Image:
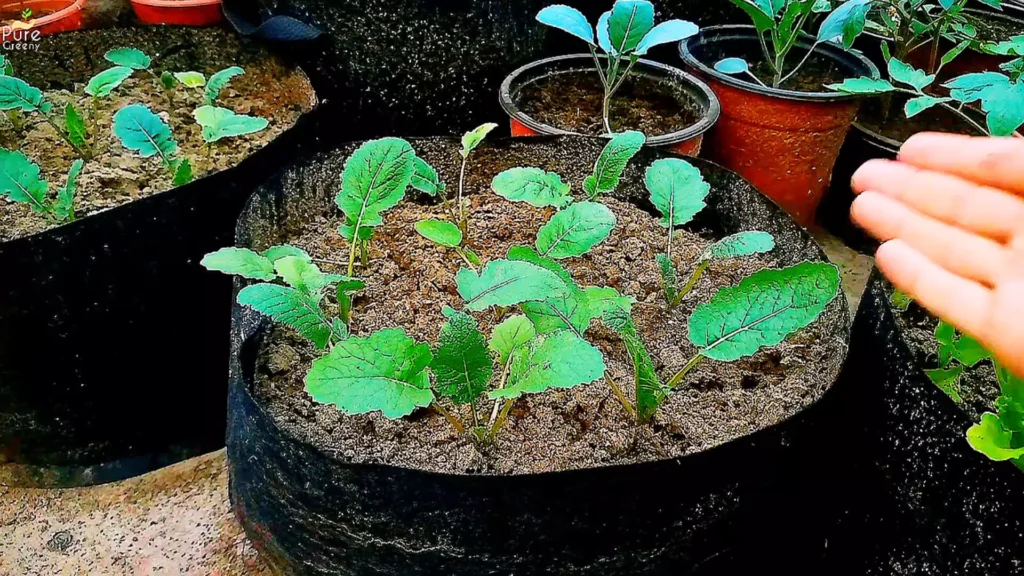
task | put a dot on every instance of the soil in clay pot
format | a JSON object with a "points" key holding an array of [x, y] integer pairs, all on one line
{"points": [[115, 175], [896, 126], [410, 280]]}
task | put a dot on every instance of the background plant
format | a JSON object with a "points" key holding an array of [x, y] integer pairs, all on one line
{"points": [[17, 96]]}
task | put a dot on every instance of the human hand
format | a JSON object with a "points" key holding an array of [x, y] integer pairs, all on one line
{"points": [[950, 212]]}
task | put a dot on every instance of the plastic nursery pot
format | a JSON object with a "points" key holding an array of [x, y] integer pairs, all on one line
{"points": [[178, 12], [312, 510], [49, 17], [783, 141], [113, 341], [683, 91], [922, 501]]}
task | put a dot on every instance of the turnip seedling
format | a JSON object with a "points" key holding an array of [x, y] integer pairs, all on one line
{"points": [[613, 160], [16, 95], [623, 34], [470, 141], [448, 235], [1000, 435], [20, 182], [217, 83], [735, 246], [219, 123], [677, 190], [142, 131], [127, 61]]}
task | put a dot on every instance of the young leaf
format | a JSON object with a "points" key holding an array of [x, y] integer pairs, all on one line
{"points": [[669, 279], [962, 348], [348, 231], [461, 364], [991, 439], [275, 253], [182, 172], [374, 179], [385, 371], [473, 138], [742, 244], [762, 310], [677, 190], [533, 186], [218, 81], [74, 124], [650, 394], [443, 233], [191, 79], [303, 275], [762, 15], [863, 85], [907, 74], [568, 20], [559, 360], [603, 40], [575, 230], [425, 178], [732, 66], [102, 84], [845, 23], [514, 332], [16, 94], [917, 105], [948, 380], [900, 300], [666, 33], [240, 262], [614, 158], [168, 81], [507, 283], [1011, 385], [129, 57], [142, 131], [64, 205], [630, 21], [575, 309], [221, 123], [292, 308], [527, 254], [20, 181]]}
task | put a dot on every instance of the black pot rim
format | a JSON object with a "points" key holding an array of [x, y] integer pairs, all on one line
{"points": [[712, 109], [744, 32]]}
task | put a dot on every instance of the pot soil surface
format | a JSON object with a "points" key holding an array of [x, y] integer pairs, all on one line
{"points": [[896, 126], [574, 102], [115, 176], [410, 280]]}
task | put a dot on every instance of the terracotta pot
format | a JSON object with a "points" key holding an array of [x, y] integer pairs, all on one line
{"points": [[783, 141], [60, 16], [685, 87], [178, 12]]}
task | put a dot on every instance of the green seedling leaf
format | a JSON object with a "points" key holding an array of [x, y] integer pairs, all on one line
{"points": [[221, 123], [129, 57], [240, 262], [614, 158], [760, 12], [461, 364], [845, 23], [528, 254], [650, 393], [955, 51], [1011, 385], [962, 348], [305, 276], [275, 253], [677, 190], [533, 186], [732, 66], [559, 360], [218, 81], [1012, 47], [948, 380], [375, 179], [190, 79], [917, 105], [439, 232], [738, 245], [907, 74], [629, 23], [5, 66], [16, 94], [668, 32], [473, 138], [568, 20], [384, 372], [900, 300], [182, 172], [514, 332], [425, 178], [603, 41], [74, 124], [292, 308], [669, 278], [64, 205], [142, 131], [977, 86], [348, 229], [507, 283], [863, 86], [575, 309], [991, 439], [1005, 114], [102, 84], [20, 180], [762, 310], [575, 230], [168, 81]]}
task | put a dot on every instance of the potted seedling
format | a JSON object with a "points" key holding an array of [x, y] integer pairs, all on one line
{"points": [[517, 348], [612, 89], [780, 127], [23, 19]]}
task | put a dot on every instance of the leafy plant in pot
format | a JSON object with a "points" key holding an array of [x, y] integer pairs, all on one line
{"points": [[780, 128], [599, 94]]}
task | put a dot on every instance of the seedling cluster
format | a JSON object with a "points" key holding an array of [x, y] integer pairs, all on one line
{"points": [[541, 342]]}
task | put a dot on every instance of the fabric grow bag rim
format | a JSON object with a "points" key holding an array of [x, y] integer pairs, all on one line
{"points": [[737, 445], [712, 108], [713, 34]]}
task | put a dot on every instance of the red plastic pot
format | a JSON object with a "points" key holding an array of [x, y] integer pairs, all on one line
{"points": [[59, 16], [783, 141], [685, 142], [178, 12]]}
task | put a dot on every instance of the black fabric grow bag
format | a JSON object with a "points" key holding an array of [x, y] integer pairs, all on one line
{"points": [[113, 340], [918, 499], [742, 505]]}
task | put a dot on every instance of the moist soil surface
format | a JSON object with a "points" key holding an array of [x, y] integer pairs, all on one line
{"points": [[812, 76], [896, 126], [114, 175], [411, 280], [574, 102]]}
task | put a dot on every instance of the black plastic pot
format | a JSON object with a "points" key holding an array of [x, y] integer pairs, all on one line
{"points": [[918, 499], [741, 505], [113, 340], [685, 89]]}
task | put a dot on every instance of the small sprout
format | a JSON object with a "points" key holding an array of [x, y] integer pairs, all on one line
{"points": [[190, 79], [217, 83], [900, 300], [735, 66], [64, 204], [182, 169], [241, 262], [168, 81], [142, 131], [470, 141], [735, 246], [507, 283], [102, 84], [678, 191], [650, 393], [75, 125], [425, 178], [574, 231], [20, 182], [533, 186], [448, 235], [16, 96], [613, 160], [129, 57], [219, 123]]}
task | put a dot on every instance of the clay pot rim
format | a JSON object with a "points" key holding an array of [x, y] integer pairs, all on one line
{"points": [[176, 3], [701, 92], [713, 34], [66, 12]]}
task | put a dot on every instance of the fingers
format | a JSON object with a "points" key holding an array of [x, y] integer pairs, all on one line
{"points": [[995, 162], [959, 252], [980, 209]]}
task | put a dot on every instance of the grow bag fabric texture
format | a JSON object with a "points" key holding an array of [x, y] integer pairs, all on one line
{"points": [[919, 500], [113, 339], [741, 505]]}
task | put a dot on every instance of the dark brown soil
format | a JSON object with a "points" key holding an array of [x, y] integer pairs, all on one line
{"points": [[898, 127], [813, 76], [574, 102], [410, 280], [116, 176]]}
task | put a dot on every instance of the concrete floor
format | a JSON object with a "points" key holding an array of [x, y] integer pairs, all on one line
{"points": [[176, 521]]}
